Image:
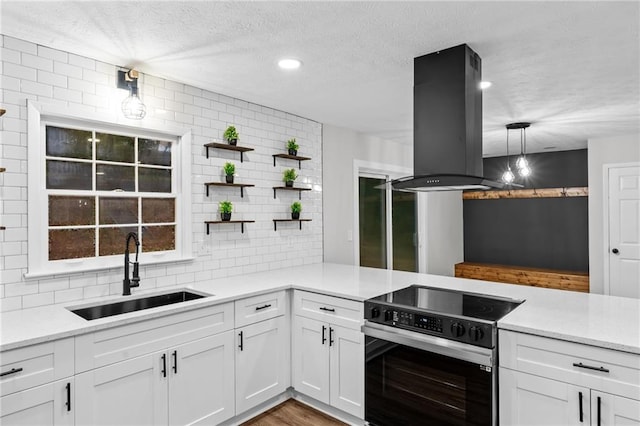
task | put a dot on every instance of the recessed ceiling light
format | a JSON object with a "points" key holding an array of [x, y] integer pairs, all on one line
{"points": [[485, 84], [289, 64]]}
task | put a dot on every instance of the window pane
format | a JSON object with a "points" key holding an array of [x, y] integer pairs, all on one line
{"points": [[68, 175], [154, 180], [118, 210], [154, 152], [68, 142], [65, 211], [373, 224], [158, 238], [113, 178], [158, 210], [403, 224], [71, 243], [112, 240], [115, 148]]}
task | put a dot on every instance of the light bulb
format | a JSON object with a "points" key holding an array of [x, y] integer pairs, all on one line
{"points": [[525, 171], [522, 162], [508, 176], [132, 106]]}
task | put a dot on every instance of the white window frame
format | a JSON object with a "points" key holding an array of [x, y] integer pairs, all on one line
{"points": [[40, 115]]}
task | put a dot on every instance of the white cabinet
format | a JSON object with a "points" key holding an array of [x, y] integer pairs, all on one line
{"points": [[49, 404], [177, 369], [551, 382], [328, 351], [262, 349], [36, 386]]}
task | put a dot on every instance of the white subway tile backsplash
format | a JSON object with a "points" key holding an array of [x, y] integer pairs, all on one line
{"points": [[84, 85]]}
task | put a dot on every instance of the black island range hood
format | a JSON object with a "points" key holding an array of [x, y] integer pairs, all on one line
{"points": [[447, 123]]}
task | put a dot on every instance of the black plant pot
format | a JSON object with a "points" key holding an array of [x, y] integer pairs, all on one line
{"points": [[295, 215], [225, 216], [293, 152], [229, 178], [233, 141], [288, 183]]}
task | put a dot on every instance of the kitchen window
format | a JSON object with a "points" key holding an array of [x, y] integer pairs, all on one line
{"points": [[97, 182]]}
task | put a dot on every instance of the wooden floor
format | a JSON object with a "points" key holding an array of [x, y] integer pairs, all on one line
{"points": [[293, 413]]}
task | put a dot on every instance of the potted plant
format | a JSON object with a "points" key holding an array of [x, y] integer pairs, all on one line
{"points": [[289, 176], [296, 208], [229, 170], [292, 146], [231, 135], [226, 207]]}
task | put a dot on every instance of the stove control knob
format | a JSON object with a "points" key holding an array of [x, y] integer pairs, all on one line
{"points": [[457, 329], [388, 315], [476, 333], [375, 312]]}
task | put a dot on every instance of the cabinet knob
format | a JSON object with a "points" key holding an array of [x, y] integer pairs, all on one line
{"points": [[615, 251]]}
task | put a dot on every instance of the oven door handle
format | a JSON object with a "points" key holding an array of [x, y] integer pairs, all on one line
{"points": [[450, 348]]}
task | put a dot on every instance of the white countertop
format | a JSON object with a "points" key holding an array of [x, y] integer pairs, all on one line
{"points": [[605, 321]]}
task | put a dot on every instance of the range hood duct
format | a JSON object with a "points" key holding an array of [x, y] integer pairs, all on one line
{"points": [[447, 123]]}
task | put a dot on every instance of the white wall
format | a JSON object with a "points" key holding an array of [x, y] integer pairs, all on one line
{"points": [[440, 227], [612, 150], [68, 81]]}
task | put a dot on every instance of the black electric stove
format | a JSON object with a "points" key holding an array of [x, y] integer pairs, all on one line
{"points": [[454, 315]]}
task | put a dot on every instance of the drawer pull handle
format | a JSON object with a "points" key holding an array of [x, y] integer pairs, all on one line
{"points": [[12, 371], [327, 309], [68, 403], [590, 367], [259, 308]]}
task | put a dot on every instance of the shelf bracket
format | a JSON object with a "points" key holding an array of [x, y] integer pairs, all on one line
{"points": [[207, 229], [207, 188], [242, 227], [207, 148]]}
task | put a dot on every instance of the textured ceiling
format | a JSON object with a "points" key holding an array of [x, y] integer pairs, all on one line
{"points": [[571, 68]]}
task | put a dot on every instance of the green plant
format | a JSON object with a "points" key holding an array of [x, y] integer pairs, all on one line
{"points": [[230, 133], [289, 175], [229, 169], [296, 207], [225, 206], [291, 144]]}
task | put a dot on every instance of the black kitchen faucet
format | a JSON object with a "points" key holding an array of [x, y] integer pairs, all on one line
{"points": [[135, 280]]}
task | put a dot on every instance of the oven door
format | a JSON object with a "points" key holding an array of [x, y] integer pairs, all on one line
{"points": [[417, 379]]}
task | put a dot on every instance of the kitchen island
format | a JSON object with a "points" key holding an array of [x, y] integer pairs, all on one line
{"points": [[90, 354]]}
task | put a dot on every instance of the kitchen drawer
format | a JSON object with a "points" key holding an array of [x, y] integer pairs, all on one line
{"points": [[570, 362], [35, 365], [262, 307], [344, 312], [117, 344]]}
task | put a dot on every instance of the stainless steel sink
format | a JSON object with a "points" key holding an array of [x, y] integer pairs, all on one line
{"points": [[132, 305]]}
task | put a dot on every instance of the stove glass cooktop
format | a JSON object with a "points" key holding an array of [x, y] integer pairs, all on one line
{"points": [[450, 302]]}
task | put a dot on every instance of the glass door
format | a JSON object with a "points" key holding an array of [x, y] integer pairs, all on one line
{"points": [[387, 226]]}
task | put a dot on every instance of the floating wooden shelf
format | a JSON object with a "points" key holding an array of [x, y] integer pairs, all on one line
{"points": [[2, 170], [290, 157], [236, 185], [2, 228], [2, 111], [290, 188], [227, 147], [535, 277], [275, 222], [241, 222], [582, 191]]}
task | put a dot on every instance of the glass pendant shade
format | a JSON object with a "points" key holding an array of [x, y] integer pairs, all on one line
{"points": [[522, 162], [132, 106], [525, 171], [508, 176]]}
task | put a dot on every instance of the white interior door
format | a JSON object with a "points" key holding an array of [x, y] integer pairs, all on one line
{"points": [[624, 232]]}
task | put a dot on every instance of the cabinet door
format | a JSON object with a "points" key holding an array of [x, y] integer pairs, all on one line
{"points": [[201, 384], [613, 410], [263, 362], [347, 369], [50, 404], [531, 400], [311, 358], [132, 392]]}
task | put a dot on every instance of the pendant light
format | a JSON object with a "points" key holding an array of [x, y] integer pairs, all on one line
{"points": [[522, 164], [508, 176]]}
